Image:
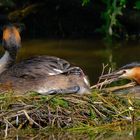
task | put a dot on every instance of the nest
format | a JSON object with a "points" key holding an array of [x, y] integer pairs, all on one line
{"points": [[65, 111]]}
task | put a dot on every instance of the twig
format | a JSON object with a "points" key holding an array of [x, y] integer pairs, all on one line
{"points": [[22, 124], [111, 89], [106, 82], [99, 84], [6, 129], [30, 119], [15, 110], [98, 112], [103, 70], [7, 125]]}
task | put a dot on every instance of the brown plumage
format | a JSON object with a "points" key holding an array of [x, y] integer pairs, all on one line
{"points": [[42, 74]]}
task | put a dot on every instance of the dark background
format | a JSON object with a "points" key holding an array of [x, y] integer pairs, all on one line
{"points": [[66, 19]]}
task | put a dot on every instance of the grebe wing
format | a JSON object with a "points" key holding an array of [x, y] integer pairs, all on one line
{"points": [[40, 66]]}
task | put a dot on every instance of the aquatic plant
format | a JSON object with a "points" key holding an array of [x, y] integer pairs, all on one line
{"points": [[113, 9]]}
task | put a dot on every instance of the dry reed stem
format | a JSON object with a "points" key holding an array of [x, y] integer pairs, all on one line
{"points": [[112, 89], [30, 119], [100, 84]]}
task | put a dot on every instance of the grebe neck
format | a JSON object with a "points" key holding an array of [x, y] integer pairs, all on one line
{"points": [[6, 61]]}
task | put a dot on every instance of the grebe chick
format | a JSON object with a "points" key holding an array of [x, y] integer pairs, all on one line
{"points": [[45, 75], [11, 42]]}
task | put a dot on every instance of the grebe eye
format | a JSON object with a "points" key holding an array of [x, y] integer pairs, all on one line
{"points": [[124, 71]]}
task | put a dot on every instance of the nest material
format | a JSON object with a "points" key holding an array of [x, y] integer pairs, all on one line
{"points": [[64, 111]]}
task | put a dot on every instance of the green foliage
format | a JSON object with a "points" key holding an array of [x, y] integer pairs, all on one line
{"points": [[111, 26], [85, 2], [137, 5], [123, 2], [60, 102], [92, 113], [112, 11]]}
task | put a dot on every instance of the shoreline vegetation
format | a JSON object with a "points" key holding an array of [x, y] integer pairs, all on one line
{"points": [[74, 113]]}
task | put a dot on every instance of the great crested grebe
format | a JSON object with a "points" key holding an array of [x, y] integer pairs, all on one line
{"points": [[11, 42], [42, 74], [130, 71]]}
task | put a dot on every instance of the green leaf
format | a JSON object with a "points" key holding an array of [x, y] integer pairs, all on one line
{"points": [[137, 5], [122, 2], [85, 2]]}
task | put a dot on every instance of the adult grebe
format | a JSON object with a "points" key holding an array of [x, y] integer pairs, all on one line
{"points": [[130, 71], [11, 43], [43, 74]]}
